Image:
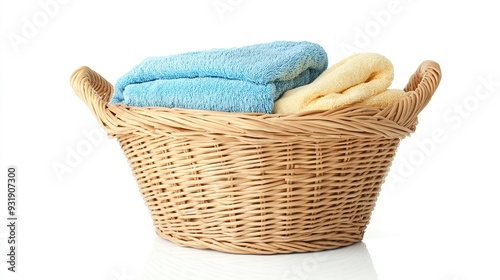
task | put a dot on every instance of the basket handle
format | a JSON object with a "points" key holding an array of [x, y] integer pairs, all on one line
{"points": [[424, 83], [96, 92]]}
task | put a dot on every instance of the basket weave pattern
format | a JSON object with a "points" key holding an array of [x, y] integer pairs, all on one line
{"points": [[259, 183]]}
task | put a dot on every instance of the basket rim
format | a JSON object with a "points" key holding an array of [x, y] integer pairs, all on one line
{"points": [[397, 120]]}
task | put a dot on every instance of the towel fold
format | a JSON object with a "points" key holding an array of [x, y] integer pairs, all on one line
{"points": [[358, 79], [245, 79]]}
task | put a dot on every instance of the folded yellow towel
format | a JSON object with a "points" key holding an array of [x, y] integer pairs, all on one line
{"points": [[358, 79]]}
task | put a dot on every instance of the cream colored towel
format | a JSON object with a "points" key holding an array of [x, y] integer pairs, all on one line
{"points": [[359, 79]]}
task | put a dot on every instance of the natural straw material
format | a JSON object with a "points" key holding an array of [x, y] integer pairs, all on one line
{"points": [[259, 183]]}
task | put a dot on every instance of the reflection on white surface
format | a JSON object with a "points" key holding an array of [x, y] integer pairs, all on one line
{"points": [[170, 261]]}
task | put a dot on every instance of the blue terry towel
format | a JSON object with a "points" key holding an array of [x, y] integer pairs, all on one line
{"points": [[245, 79]]}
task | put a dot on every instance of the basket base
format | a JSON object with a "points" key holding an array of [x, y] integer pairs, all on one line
{"points": [[263, 248]]}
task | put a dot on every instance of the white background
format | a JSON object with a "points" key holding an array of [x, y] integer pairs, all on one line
{"points": [[437, 216]]}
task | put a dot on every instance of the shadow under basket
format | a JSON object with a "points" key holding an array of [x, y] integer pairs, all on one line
{"points": [[251, 183]]}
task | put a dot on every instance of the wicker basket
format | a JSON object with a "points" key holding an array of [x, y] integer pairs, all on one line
{"points": [[259, 183]]}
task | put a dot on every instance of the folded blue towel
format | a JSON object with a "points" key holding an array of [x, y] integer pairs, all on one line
{"points": [[245, 79]]}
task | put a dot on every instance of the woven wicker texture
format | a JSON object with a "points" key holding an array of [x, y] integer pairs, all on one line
{"points": [[259, 183]]}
